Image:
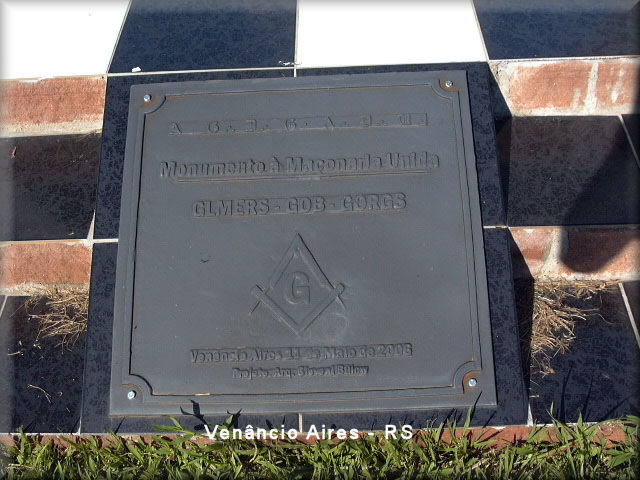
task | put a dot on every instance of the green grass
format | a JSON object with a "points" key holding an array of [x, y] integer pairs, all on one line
{"points": [[577, 452]]}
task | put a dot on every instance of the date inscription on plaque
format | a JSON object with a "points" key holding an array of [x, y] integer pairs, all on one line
{"points": [[301, 245]]}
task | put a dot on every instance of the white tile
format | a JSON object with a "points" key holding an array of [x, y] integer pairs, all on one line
{"points": [[334, 33], [58, 38]]}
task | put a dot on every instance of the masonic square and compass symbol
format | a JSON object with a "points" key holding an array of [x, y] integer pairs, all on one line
{"points": [[298, 291]]}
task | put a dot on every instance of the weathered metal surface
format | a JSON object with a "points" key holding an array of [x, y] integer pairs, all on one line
{"points": [[306, 244]]}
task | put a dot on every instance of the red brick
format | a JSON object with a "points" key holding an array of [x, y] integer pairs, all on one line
{"points": [[534, 245], [509, 435], [618, 83], [43, 263], [68, 100], [560, 85]]}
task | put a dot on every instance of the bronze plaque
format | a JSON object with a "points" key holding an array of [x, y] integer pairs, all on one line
{"points": [[301, 244]]}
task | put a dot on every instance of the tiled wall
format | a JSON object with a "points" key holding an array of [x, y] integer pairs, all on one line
{"points": [[562, 173], [58, 38], [212, 34], [50, 148]]}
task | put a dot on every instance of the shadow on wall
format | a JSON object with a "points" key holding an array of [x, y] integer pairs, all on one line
{"points": [[566, 171], [574, 172], [598, 375]]}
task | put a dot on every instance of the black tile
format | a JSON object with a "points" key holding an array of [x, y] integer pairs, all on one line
{"points": [[482, 99], [632, 122], [510, 386], [40, 383], [632, 291], [95, 401], [569, 171], [600, 375], [95, 392], [115, 133], [512, 395], [580, 28], [48, 186], [170, 35]]}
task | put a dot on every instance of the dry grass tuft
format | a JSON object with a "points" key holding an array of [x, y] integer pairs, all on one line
{"points": [[554, 318], [61, 312]]}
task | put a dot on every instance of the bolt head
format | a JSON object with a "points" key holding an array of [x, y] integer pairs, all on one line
{"points": [[473, 382], [147, 98], [448, 84], [131, 394]]}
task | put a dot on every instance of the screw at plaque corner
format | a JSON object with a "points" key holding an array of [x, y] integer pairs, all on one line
{"points": [[147, 98], [448, 84], [131, 394], [473, 382]]}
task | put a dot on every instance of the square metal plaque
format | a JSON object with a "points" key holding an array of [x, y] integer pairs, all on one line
{"points": [[301, 245]]}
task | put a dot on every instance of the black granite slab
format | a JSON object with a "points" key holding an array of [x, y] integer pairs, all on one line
{"points": [[48, 186], [169, 35], [115, 132], [632, 122], [632, 291], [576, 28], [482, 100], [600, 375], [568, 171], [512, 398], [40, 383], [95, 399]]}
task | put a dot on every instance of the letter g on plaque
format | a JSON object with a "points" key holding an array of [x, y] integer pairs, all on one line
{"points": [[300, 290]]}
